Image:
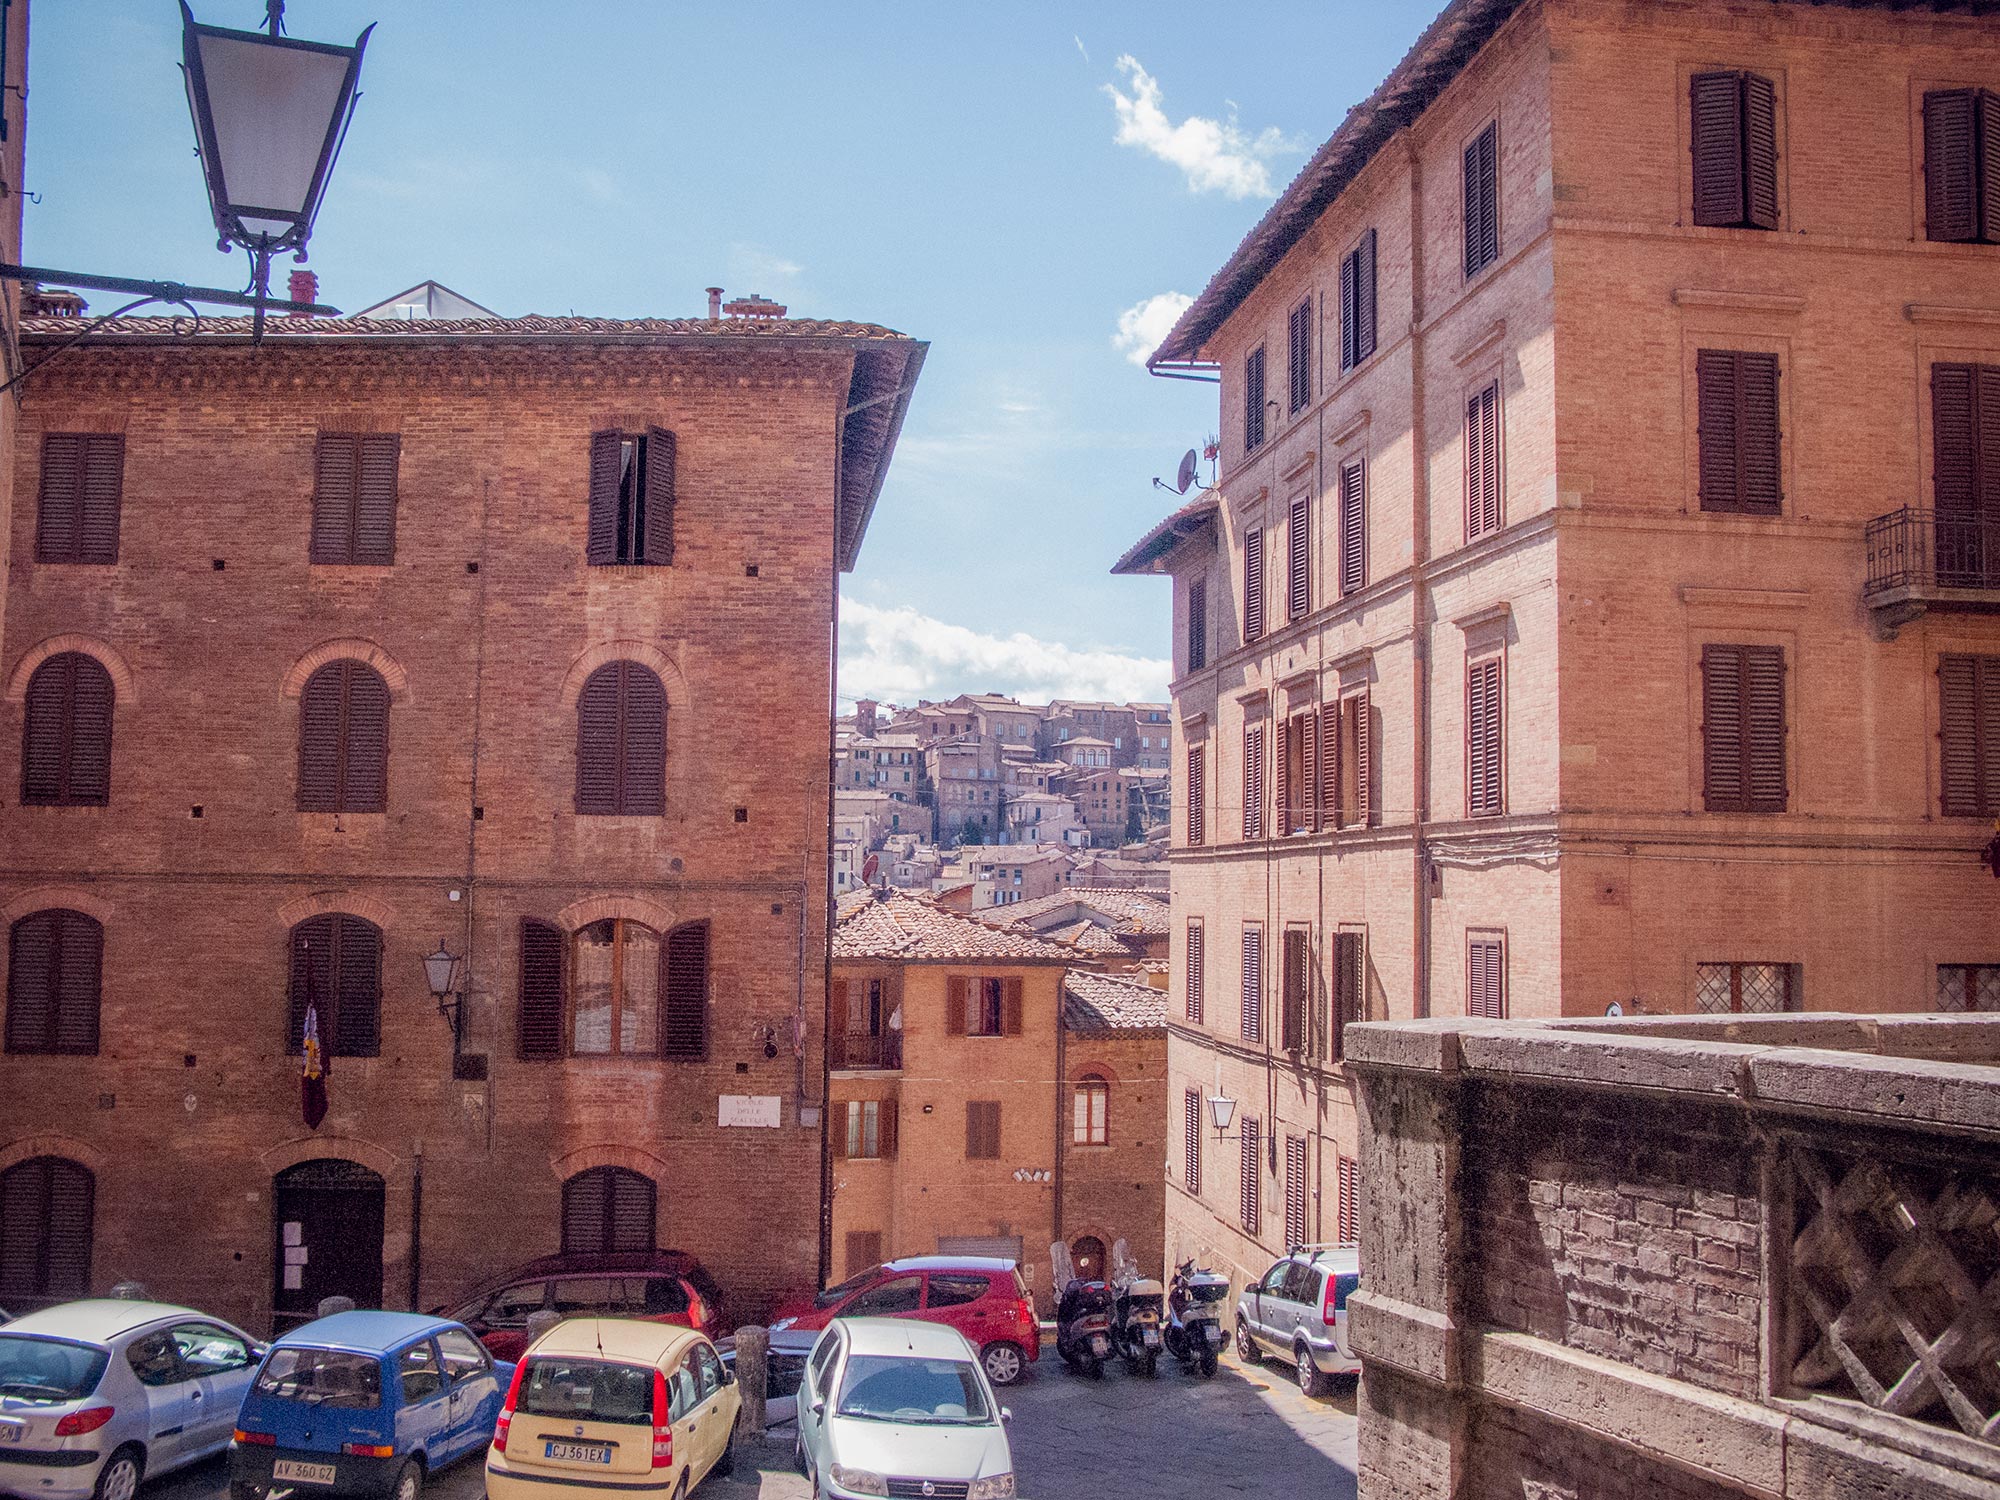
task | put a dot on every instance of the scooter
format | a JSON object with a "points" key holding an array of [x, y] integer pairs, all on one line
{"points": [[1194, 1333], [1083, 1317], [1137, 1301]]}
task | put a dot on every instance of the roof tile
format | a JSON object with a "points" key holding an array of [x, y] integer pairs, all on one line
{"points": [[1109, 1002], [894, 924]]}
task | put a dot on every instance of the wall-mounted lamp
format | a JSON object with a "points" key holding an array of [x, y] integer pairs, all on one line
{"points": [[441, 971]]}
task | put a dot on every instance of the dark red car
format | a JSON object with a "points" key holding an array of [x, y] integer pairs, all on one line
{"points": [[981, 1296], [661, 1286]]}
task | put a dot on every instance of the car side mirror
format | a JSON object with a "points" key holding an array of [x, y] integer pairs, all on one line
{"points": [[1006, 1414], [819, 1406]]}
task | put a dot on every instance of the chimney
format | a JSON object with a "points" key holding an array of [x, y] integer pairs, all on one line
{"points": [[754, 306], [715, 304], [304, 288]]}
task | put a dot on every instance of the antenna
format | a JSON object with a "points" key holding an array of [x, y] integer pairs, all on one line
{"points": [[1183, 478]]}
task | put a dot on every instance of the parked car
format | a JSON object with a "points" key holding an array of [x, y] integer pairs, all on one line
{"points": [[364, 1403], [983, 1297], [1298, 1311], [899, 1407], [662, 1286], [613, 1405], [95, 1395]]}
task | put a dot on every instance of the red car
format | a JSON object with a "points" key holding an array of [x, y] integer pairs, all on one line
{"points": [[982, 1297], [660, 1286]]}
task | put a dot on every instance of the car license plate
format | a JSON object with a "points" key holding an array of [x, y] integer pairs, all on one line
{"points": [[12, 1432], [1151, 1336], [299, 1473], [1099, 1347], [578, 1453], [1215, 1334]]}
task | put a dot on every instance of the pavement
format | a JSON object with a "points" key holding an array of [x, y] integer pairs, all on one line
{"points": [[1245, 1433]]}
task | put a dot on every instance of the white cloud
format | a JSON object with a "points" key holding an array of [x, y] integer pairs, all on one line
{"points": [[756, 269], [898, 656], [1080, 47], [1142, 326], [1215, 155]]}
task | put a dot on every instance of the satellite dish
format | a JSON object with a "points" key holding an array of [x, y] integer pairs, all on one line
{"points": [[1186, 475]]}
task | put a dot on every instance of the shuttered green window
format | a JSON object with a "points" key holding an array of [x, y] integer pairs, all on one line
{"points": [[47, 1210], [336, 970], [1197, 623], [1743, 726], [354, 498], [621, 741], [66, 733], [631, 498], [1733, 139], [55, 971], [1969, 736], [1482, 201], [1736, 393], [609, 1209], [1962, 166], [1196, 972], [81, 494], [344, 739], [1250, 1182]]}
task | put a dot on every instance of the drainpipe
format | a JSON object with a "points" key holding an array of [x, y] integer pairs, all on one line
{"points": [[1420, 599], [417, 1227]]}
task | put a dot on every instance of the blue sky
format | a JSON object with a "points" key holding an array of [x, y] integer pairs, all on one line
{"points": [[1007, 181]]}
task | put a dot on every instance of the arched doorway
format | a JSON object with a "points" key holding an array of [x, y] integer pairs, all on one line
{"points": [[607, 1209], [47, 1211], [1086, 1252], [328, 1218]]}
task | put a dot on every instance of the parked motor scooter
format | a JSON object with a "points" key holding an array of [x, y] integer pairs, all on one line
{"points": [[1195, 1299], [1137, 1303], [1083, 1317]]}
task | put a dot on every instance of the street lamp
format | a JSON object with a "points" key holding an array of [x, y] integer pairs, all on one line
{"points": [[441, 973], [1221, 1110], [269, 115]]}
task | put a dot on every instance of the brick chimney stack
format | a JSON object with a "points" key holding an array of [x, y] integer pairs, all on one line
{"points": [[304, 288], [715, 304], [754, 306]]}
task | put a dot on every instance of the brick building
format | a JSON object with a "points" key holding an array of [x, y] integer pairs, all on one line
{"points": [[412, 632], [1590, 610], [1113, 1182]]}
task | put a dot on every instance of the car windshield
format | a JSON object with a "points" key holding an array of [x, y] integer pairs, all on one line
{"points": [[892, 1388], [38, 1369], [323, 1377], [853, 1284], [586, 1390]]}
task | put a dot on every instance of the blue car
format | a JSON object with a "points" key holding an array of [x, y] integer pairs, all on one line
{"points": [[364, 1404]]}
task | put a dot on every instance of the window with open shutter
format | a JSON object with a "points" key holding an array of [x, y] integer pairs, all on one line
{"points": [[1736, 395], [1743, 728], [1250, 1200], [1295, 1190], [541, 1001], [621, 741], [1197, 784], [1090, 1123], [1197, 970], [609, 1209], [1486, 977], [1252, 1026], [631, 498], [1482, 462], [55, 974], [336, 971], [1282, 767], [1353, 527], [1298, 559], [1357, 302], [1197, 623], [1733, 140], [354, 498], [1962, 165], [1298, 355], [1253, 585], [1349, 976], [81, 494], [1295, 997], [684, 1032], [66, 733], [1253, 781], [1349, 1223], [344, 739], [1485, 794], [1969, 736], [1482, 201], [1191, 1140], [1253, 400], [1965, 474], [47, 1214]]}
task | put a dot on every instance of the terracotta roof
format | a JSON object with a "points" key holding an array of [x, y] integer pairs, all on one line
{"points": [[1110, 1002], [1144, 555], [1090, 937], [895, 924], [287, 330], [1134, 911]]}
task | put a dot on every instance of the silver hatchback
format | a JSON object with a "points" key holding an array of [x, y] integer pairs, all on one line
{"points": [[1298, 1312]]}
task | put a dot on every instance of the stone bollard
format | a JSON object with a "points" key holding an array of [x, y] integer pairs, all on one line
{"points": [[328, 1306], [753, 1371], [540, 1321]]}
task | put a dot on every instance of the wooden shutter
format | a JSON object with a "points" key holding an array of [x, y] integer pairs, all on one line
{"points": [[684, 964], [1482, 201], [47, 1204], [336, 477], [1485, 979], [1364, 297], [957, 999], [1250, 1199], [82, 492], [1760, 152], [1482, 462], [311, 981], [642, 778], [54, 983], [1969, 735], [1197, 781], [1738, 435], [634, 1212], [1197, 624], [982, 1130], [1350, 328], [837, 1006], [1253, 400], [1252, 1026], [1328, 791], [843, 1127], [1308, 794], [66, 733], [1298, 559], [375, 498], [1364, 757], [598, 751], [1295, 1190], [1197, 970], [1281, 765], [1715, 140], [1353, 529], [1484, 793], [1253, 585], [887, 1130], [659, 529], [601, 534], [1348, 1221], [543, 969], [364, 769], [321, 720], [1297, 984], [1743, 728], [585, 1200], [1989, 166], [356, 1026], [1951, 165], [1253, 781], [1348, 978], [1191, 1140], [1010, 1007], [1298, 355]]}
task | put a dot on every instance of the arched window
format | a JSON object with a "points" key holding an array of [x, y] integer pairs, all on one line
{"points": [[344, 739], [630, 992], [615, 989], [621, 741], [608, 1208], [1086, 1254], [1092, 1121], [55, 970], [66, 734], [337, 971], [47, 1205]]}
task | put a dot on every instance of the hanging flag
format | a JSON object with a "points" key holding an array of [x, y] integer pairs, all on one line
{"points": [[312, 1076]]}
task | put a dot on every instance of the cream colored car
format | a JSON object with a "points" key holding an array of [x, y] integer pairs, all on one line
{"points": [[614, 1406]]}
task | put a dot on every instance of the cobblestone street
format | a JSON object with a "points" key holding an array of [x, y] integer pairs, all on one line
{"points": [[1245, 1433]]}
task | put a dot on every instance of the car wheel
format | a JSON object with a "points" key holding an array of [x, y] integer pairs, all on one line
{"points": [[1003, 1362], [1310, 1380], [725, 1463], [1246, 1346], [119, 1478], [409, 1480]]}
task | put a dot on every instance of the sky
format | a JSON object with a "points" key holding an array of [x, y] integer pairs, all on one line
{"points": [[1035, 189]]}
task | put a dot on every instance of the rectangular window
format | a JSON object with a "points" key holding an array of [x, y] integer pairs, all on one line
{"points": [[1965, 474], [1191, 1141], [1253, 781], [1968, 987], [1253, 585], [1349, 978], [1251, 1195], [82, 492], [1969, 736], [1295, 993], [1252, 1026], [1353, 527], [1349, 1230], [1295, 1190], [631, 498], [1962, 165], [1736, 393], [354, 498], [864, 1126], [1298, 355], [1482, 201], [1296, 765], [1733, 139], [1298, 560], [1743, 728], [1486, 976], [1090, 1123], [1357, 303], [982, 1129], [1482, 463], [1197, 781], [1346, 761], [1484, 735], [1253, 401], [1197, 624], [1196, 972], [1744, 989]]}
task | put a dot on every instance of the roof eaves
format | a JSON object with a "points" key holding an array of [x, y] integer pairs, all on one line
{"points": [[1144, 555]]}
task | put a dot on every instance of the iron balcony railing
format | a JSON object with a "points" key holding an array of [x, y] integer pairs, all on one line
{"points": [[1920, 549], [853, 1051]]}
